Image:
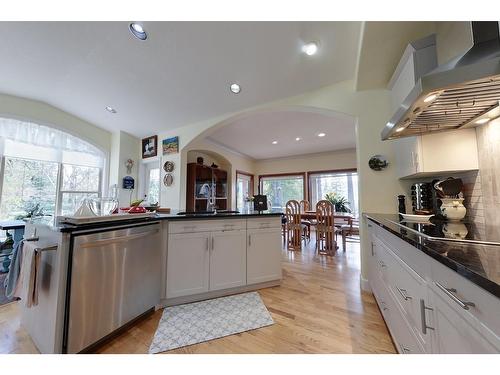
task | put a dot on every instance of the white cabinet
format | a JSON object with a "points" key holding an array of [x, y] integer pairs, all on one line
{"points": [[263, 255], [188, 264], [422, 301], [435, 154], [454, 334], [228, 261]]}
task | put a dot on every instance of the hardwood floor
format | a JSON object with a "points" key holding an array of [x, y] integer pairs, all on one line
{"points": [[319, 308]]}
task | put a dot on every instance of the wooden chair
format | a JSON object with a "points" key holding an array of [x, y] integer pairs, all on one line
{"points": [[350, 230], [294, 227], [304, 206], [325, 228]]}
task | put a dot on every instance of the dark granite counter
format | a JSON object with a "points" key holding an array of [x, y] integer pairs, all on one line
{"points": [[479, 263], [174, 216]]}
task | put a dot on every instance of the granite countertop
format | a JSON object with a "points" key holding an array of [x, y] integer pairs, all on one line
{"points": [[479, 263], [68, 228]]}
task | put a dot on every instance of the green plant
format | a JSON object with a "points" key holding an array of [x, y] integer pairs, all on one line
{"points": [[340, 203]]}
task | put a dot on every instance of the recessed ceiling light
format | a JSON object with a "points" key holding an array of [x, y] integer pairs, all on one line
{"points": [[321, 134], [298, 139], [310, 48], [110, 109], [275, 142], [138, 31], [400, 129], [430, 98], [482, 121], [235, 88]]}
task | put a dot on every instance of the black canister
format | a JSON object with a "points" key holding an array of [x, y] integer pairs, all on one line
{"points": [[401, 204]]}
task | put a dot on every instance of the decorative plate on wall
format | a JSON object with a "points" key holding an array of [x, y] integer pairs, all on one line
{"points": [[168, 166], [168, 180], [378, 162]]}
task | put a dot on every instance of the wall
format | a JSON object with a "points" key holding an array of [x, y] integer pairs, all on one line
{"points": [[45, 114], [124, 146]]}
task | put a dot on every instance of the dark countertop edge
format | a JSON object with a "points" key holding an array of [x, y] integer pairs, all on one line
{"points": [[480, 280], [67, 228]]}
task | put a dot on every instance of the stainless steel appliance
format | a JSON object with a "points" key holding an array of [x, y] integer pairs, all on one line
{"points": [[114, 277], [462, 93]]}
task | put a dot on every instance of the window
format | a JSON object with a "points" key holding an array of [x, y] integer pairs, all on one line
{"points": [[244, 188], [282, 188], [152, 183], [341, 183], [45, 169]]}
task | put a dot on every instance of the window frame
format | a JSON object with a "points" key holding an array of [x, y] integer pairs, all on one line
{"points": [[252, 182], [326, 171], [292, 174], [59, 182]]}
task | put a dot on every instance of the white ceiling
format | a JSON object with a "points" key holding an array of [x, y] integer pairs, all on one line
{"points": [[252, 135], [179, 75]]}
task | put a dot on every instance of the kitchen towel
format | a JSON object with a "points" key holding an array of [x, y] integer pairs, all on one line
{"points": [[14, 274], [25, 280], [207, 320]]}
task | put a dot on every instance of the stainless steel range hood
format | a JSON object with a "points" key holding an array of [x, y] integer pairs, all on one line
{"points": [[464, 92]]}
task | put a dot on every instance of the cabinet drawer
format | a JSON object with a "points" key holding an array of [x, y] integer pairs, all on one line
{"points": [[209, 225], [264, 223], [486, 306]]}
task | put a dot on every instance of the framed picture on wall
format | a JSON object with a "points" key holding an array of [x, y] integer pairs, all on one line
{"points": [[150, 147], [170, 145]]}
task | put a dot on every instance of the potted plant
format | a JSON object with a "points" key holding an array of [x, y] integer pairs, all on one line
{"points": [[340, 203]]}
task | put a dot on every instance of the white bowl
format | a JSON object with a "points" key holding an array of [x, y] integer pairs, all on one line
{"points": [[416, 218]]}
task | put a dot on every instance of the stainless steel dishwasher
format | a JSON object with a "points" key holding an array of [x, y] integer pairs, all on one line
{"points": [[114, 278]]}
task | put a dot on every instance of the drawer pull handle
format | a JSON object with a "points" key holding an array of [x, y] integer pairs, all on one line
{"points": [[382, 264], [403, 294], [369, 225], [425, 327], [189, 227], [373, 253], [249, 240], [450, 292], [404, 349]]}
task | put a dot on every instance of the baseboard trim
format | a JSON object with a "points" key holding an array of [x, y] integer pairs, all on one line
{"points": [[365, 284]]}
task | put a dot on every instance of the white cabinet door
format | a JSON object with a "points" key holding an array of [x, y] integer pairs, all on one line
{"points": [[407, 156], [263, 255], [454, 334], [228, 262], [187, 264]]}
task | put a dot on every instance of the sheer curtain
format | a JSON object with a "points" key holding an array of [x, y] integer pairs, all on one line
{"points": [[22, 139]]}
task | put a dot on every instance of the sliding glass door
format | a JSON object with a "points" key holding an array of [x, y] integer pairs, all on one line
{"points": [[244, 189]]}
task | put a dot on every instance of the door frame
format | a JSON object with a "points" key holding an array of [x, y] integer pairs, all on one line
{"points": [[251, 190]]}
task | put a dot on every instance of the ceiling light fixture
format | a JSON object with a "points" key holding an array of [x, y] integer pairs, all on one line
{"points": [[321, 134], [110, 109], [235, 88], [310, 48], [430, 98], [298, 139], [275, 142], [482, 121], [400, 129], [138, 31]]}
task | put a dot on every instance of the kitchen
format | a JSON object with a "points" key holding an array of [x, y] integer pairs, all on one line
{"points": [[231, 245]]}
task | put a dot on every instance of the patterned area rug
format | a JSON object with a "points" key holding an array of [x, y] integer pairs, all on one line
{"points": [[207, 320]]}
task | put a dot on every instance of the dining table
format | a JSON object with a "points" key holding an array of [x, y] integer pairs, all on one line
{"points": [[345, 216]]}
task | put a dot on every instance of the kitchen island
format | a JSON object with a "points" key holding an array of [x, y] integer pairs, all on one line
{"points": [[436, 295], [102, 276]]}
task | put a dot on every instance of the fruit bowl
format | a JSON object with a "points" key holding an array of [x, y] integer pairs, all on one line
{"points": [[137, 210]]}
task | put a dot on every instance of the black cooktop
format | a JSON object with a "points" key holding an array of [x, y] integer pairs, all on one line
{"points": [[465, 231]]}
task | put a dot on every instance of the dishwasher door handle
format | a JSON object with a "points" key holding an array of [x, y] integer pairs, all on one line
{"points": [[108, 241]]}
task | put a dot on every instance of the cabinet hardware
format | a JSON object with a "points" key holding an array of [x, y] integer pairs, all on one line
{"points": [[382, 264], [249, 240], [212, 244], [208, 245], [369, 225], [372, 250], [404, 349], [425, 327], [192, 227], [403, 294], [450, 293], [384, 307]]}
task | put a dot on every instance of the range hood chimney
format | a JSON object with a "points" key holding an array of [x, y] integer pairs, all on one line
{"points": [[464, 92]]}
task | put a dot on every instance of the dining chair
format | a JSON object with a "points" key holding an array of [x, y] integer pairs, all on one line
{"points": [[349, 231], [305, 206], [294, 227], [325, 228]]}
